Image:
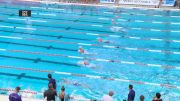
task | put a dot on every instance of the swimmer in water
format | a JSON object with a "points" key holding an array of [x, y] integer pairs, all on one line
{"points": [[74, 83], [119, 29], [100, 40], [117, 17], [86, 63], [114, 22], [82, 51]]}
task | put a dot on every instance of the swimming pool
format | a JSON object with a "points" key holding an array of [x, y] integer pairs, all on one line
{"points": [[144, 50]]}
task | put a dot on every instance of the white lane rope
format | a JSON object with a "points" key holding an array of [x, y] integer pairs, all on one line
{"points": [[108, 19], [102, 26], [94, 59], [94, 77], [96, 45], [95, 34], [21, 19]]}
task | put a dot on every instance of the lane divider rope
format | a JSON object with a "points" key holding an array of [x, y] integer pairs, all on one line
{"points": [[108, 19], [94, 34], [97, 77], [95, 25], [94, 59], [149, 29], [97, 45]]}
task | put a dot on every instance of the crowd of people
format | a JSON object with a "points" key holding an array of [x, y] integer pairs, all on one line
{"points": [[116, 2], [80, 1], [51, 93]]}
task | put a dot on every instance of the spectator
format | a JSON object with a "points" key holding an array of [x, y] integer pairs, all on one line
{"points": [[108, 97], [160, 3], [157, 97], [142, 98], [116, 2], [52, 81], [62, 94], [15, 96], [131, 94], [177, 3], [50, 94]]}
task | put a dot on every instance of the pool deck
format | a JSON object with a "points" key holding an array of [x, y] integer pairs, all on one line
{"points": [[110, 5]]}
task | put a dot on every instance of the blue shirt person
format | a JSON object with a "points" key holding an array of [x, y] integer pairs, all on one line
{"points": [[14, 96], [52, 81], [131, 94]]}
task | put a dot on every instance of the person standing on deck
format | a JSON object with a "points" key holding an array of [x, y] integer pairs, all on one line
{"points": [[108, 97], [50, 94], [160, 3], [142, 98], [15, 96], [52, 81], [116, 2], [131, 94], [157, 97]]}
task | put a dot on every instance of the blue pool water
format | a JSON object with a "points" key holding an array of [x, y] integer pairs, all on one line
{"points": [[144, 50]]}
